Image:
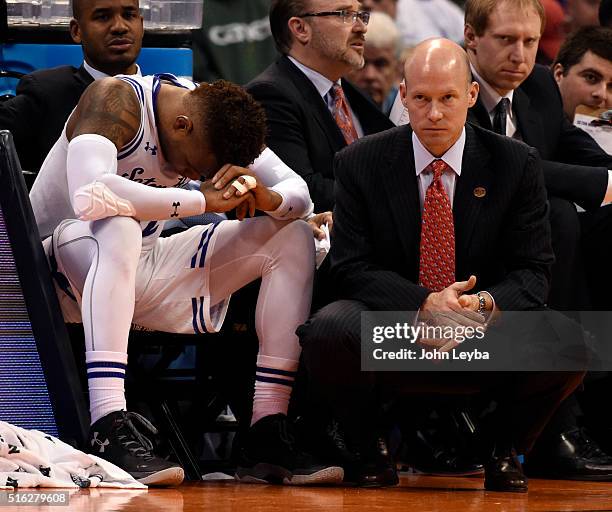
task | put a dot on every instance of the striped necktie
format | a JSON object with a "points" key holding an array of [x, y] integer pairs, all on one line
{"points": [[342, 115]]}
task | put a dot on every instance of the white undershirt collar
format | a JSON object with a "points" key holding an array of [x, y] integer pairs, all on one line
{"points": [[96, 75], [453, 156]]}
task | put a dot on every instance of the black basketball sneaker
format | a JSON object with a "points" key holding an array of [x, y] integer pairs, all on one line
{"points": [[269, 455], [115, 438]]}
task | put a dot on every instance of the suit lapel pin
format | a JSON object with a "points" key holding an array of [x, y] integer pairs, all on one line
{"points": [[480, 192]]}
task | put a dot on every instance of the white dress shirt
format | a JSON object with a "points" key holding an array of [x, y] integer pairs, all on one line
{"points": [[96, 75], [490, 98], [323, 86], [453, 158]]}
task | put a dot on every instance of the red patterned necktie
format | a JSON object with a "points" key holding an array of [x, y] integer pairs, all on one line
{"points": [[342, 114], [437, 262]]}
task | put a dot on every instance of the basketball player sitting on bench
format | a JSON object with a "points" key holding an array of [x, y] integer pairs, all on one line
{"points": [[115, 174]]}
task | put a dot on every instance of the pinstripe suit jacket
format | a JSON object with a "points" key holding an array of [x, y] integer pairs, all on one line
{"points": [[503, 238]]}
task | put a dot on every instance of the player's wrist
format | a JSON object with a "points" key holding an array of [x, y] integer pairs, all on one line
{"points": [[272, 201], [202, 202]]}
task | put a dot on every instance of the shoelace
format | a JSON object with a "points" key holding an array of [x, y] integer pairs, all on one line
{"points": [[335, 432], [137, 443]]}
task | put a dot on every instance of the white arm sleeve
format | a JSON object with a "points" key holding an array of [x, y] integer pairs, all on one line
{"points": [[272, 172], [89, 157], [96, 192]]}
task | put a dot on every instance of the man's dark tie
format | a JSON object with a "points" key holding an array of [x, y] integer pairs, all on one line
{"points": [[501, 114]]}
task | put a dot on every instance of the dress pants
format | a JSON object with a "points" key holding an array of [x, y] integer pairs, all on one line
{"points": [[331, 342]]}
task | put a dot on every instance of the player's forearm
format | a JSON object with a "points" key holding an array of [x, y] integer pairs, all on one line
{"points": [[152, 203], [272, 172], [296, 202], [96, 192]]}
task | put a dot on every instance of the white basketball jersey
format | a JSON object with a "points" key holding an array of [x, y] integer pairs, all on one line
{"points": [[140, 160]]}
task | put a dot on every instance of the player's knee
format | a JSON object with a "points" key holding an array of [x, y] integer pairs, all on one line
{"points": [[299, 239], [303, 230], [120, 237]]}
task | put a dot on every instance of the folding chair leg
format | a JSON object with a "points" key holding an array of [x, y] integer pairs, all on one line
{"points": [[178, 444]]}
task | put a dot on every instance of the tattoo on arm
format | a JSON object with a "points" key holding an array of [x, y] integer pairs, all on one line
{"points": [[110, 108]]}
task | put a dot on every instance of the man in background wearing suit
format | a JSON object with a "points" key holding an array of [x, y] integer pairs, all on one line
{"points": [[583, 69], [420, 211], [521, 100], [312, 112], [110, 33]]}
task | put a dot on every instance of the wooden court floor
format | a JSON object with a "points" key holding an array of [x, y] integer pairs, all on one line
{"points": [[415, 493]]}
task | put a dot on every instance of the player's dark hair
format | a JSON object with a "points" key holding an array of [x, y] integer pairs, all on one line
{"points": [[235, 124], [586, 39]]}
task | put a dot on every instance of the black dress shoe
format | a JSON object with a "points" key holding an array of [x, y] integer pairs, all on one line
{"points": [[503, 473], [430, 457], [366, 463], [572, 455], [373, 466], [364, 457]]}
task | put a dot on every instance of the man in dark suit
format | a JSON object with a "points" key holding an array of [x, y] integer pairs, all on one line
{"points": [[576, 169], [521, 100], [313, 113], [110, 33], [583, 69], [420, 211]]}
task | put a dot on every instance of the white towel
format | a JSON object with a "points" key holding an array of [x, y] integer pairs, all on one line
{"points": [[322, 246], [29, 458]]}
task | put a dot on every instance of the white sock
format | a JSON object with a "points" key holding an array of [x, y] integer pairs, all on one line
{"points": [[273, 385], [106, 378]]}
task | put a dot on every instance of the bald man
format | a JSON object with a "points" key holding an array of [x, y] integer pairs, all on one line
{"points": [[462, 233]]}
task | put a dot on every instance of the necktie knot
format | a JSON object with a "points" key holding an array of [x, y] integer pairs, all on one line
{"points": [[438, 168], [337, 93], [500, 115], [503, 105]]}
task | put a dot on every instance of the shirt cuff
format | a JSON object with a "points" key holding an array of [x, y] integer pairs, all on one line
{"points": [[283, 209], [292, 204], [608, 196]]}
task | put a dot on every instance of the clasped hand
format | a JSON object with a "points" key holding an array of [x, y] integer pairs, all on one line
{"points": [[222, 196], [451, 307]]}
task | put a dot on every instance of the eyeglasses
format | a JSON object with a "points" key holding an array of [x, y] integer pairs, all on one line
{"points": [[347, 16]]}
